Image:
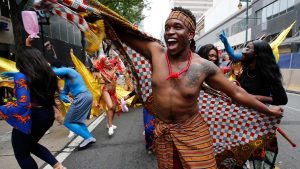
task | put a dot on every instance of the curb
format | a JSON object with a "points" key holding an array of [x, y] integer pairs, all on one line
{"points": [[294, 92]]}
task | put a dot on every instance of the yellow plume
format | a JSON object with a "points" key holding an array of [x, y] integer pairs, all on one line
{"points": [[7, 65], [94, 36], [121, 93], [274, 45]]}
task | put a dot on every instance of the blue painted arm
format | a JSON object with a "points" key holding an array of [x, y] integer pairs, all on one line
{"points": [[228, 48], [64, 94], [62, 71]]}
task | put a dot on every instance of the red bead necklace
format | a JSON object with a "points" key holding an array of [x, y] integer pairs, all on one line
{"points": [[176, 75]]}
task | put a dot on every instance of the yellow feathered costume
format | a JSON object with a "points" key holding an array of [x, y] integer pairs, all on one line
{"points": [[7, 66], [95, 87]]}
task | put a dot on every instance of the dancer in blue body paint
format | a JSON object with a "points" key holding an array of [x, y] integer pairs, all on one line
{"points": [[81, 105]]}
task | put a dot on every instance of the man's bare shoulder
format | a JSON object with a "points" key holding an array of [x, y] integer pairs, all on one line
{"points": [[157, 50], [203, 65], [156, 47]]}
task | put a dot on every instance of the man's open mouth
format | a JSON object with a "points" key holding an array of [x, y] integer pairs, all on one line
{"points": [[172, 42]]}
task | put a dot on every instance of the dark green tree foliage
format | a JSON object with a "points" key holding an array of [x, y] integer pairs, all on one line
{"points": [[16, 7], [18, 29], [129, 9]]}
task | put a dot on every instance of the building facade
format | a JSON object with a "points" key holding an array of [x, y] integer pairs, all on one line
{"points": [[272, 17], [224, 15], [198, 7], [231, 20], [6, 31], [267, 18], [57, 36]]}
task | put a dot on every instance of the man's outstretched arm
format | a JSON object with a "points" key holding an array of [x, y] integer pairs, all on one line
{"points": [[217, 80], [143, 46]]}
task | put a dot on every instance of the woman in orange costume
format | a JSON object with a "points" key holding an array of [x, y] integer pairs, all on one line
{"points": [[108, 69]]}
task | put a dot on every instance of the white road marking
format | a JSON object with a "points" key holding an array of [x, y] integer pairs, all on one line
{"points": [[71, 147]]}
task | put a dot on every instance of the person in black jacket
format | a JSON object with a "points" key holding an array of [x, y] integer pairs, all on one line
{"points": [[261, 75]]}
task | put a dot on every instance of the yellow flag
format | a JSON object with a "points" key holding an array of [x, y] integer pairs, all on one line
{"points": [[7, 65], [274, 45], [90, 82], [6, 83]]}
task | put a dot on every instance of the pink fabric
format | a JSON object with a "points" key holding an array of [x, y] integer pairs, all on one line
{"points": [[30, 23], [123, 105]]}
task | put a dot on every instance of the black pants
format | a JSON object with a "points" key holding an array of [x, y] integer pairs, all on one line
{"points": [[23, 144]]}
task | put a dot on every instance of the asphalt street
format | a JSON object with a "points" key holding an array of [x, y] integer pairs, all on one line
{"points": [[289, 157], [124, 150]]}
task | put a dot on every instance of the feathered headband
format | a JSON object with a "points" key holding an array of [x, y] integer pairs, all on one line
{"points": [[100, 64]]}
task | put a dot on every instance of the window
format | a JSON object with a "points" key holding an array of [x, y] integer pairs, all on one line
{"points": [[258, 17], [63, 30], [264, 15], [70, 33], [269, 11], [249, 11], [46, 30], [291, 3], [227, 31], [77, 35], [234, 29], [238, 27], [243, 25], [275, 8], [283, 6], [54, 20], [4, 8]]}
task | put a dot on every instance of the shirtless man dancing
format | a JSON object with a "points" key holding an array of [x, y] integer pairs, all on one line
{"points": [[182, 136]]}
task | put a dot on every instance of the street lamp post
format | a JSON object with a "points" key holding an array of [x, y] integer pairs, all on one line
{"points": [[43, 20], [247, 19], [247, 15]]}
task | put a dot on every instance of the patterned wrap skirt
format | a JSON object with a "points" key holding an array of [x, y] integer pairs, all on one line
{"points": [[80, 108], [190, 140]]}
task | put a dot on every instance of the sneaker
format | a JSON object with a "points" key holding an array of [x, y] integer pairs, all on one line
{"points": [[71, 134], [110, 131], [93, 140], [113, 126], [87, 142]]}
